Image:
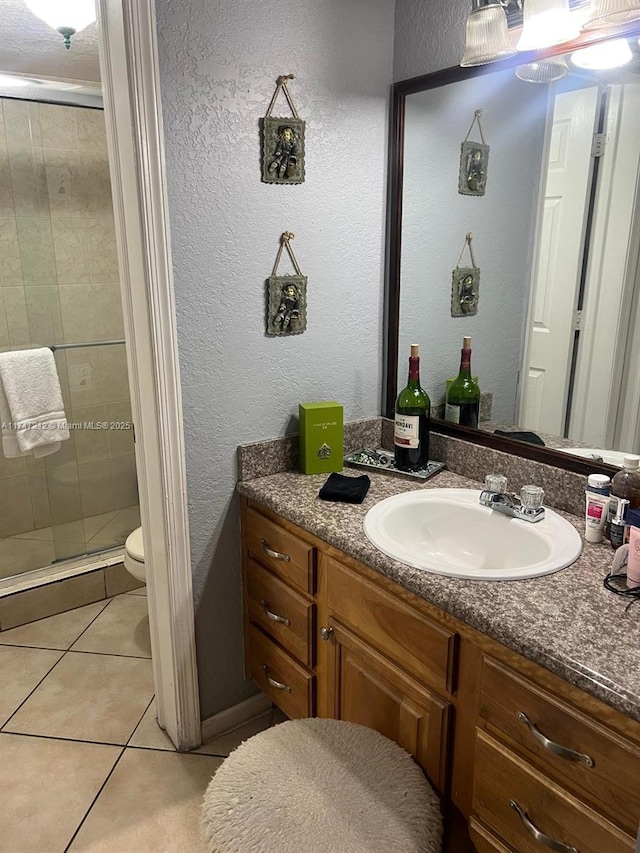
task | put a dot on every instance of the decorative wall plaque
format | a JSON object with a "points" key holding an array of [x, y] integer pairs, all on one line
{"points": [[283, 141], [474, 162], [465, 286], [286, 296]]}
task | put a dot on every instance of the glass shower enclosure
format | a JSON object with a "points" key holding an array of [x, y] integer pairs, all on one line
{"points": [[59, 288]]}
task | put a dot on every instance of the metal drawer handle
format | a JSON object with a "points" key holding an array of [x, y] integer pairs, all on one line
{"points": [[273, 616], [540, 836], [275, 555], [562, 751], [325, 633], [277, 684]]}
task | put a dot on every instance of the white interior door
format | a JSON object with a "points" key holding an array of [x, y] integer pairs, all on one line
{"points": [[558, 261], [603, 382]]}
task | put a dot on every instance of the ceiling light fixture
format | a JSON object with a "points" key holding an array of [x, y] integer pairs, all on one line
{"points": [[487, 34], [599, 57], [546, 22], [543, 71], [66, 16], [604, 13]]}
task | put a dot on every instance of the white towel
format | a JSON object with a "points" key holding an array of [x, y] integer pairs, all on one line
{"points": [[31, 407]]}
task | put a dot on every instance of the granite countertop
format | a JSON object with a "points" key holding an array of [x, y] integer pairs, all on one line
{"points": [[566, 622]]}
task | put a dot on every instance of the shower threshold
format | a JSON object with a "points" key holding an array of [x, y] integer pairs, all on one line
{"points": [[62, 570]]}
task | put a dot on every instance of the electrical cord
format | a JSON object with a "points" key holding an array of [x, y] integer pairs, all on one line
{"points": [[618, 583]]}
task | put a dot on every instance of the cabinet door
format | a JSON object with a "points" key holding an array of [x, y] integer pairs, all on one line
{"points": [[366, 688]]}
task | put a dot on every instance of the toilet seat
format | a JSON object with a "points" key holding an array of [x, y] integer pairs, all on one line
{"points": [[134, 555]]}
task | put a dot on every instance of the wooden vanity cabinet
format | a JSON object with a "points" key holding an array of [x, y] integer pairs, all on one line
{"points": [[512, 748], [279, 580]]}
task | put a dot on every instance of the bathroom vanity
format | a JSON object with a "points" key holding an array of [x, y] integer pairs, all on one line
{"points": [[519, 700]]}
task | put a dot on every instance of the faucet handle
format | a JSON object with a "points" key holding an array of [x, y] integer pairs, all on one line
{"points": [[496, 483], [531, 497]]}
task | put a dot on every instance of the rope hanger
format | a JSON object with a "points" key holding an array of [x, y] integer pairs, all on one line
{"points": [[282, 86], [467, 244], [285, 239], [476, 118]]}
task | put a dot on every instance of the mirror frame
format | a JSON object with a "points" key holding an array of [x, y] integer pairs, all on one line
{"points": [[400, 91]]}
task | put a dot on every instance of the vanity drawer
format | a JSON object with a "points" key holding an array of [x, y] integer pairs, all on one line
{"points": [[284, 553], [502, 779], [280, 611], [275, 672], [615, 775], [485, 841], [414, 642]]}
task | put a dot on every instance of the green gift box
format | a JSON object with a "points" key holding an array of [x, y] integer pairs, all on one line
{"points": [[321, 437]]}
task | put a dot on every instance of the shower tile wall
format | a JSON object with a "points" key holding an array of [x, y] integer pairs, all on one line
{"points": [[59, 284]]}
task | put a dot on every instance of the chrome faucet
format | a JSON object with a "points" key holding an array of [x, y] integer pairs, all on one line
{"points": [[528, 506]]}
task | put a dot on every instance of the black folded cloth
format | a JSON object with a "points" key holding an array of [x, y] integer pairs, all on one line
{"points": [[521, 435], [349, 490]]}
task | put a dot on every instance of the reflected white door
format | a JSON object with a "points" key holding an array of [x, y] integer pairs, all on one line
{"points": [[558, 262], [606, 398]]}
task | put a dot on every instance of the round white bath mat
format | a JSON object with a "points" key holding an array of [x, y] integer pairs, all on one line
{"points": [[321, 786]]}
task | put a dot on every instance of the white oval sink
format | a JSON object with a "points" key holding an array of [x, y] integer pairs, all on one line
{"points": [[611, 457], [448, 532]]}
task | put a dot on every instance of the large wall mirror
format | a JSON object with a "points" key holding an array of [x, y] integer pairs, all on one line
{"points": [[556, 236]]}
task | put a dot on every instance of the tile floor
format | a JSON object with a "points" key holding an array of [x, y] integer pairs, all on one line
{"points": [[34, 549], [84, 765]]}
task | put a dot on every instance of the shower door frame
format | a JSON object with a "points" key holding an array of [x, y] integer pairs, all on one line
{"points": [[129, 69]]}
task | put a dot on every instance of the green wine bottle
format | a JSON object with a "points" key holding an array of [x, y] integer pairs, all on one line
{"points": [[463, 397], [411, 430]]}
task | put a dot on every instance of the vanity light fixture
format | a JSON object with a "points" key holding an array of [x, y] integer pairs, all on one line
{"points": [[543, 71], [608, 54], [604, 13], [66, 16], [487, 34], [546, 22]]}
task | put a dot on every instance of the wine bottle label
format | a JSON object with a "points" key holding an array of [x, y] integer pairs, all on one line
{"points": [[407, 430], [452, 413]]}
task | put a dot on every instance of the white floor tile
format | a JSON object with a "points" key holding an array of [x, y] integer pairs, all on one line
{"points": [[46, 788], [152, 802], [121, 629], [20, 672], [88, 697]]}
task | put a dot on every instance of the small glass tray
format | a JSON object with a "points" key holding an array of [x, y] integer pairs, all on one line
{"points": [[382, 461]]}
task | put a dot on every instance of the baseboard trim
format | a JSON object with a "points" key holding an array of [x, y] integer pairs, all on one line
{"points": [[236, 716]]}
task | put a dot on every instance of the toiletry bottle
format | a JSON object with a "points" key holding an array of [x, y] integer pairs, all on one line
{"points": [[618, 526], [625, 484], [411, 430], [463, 397], [595, 515], [600, 484], [633, 566]]}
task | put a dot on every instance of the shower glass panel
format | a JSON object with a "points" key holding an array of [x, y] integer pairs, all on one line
{"points": [[59, 288]]}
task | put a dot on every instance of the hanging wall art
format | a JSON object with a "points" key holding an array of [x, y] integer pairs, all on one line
{"points": [[465, 285], [283, 141], [474, 162], [286, 296]]}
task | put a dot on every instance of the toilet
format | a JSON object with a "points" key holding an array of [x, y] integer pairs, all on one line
{"points": [[134, 555]]}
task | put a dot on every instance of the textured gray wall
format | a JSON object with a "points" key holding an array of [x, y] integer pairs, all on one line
{"points": [[429, 36], [436, 219], [218, 64]]}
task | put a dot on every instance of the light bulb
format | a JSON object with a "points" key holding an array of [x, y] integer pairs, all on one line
{"points": [[546, 22], [609, 54]]}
